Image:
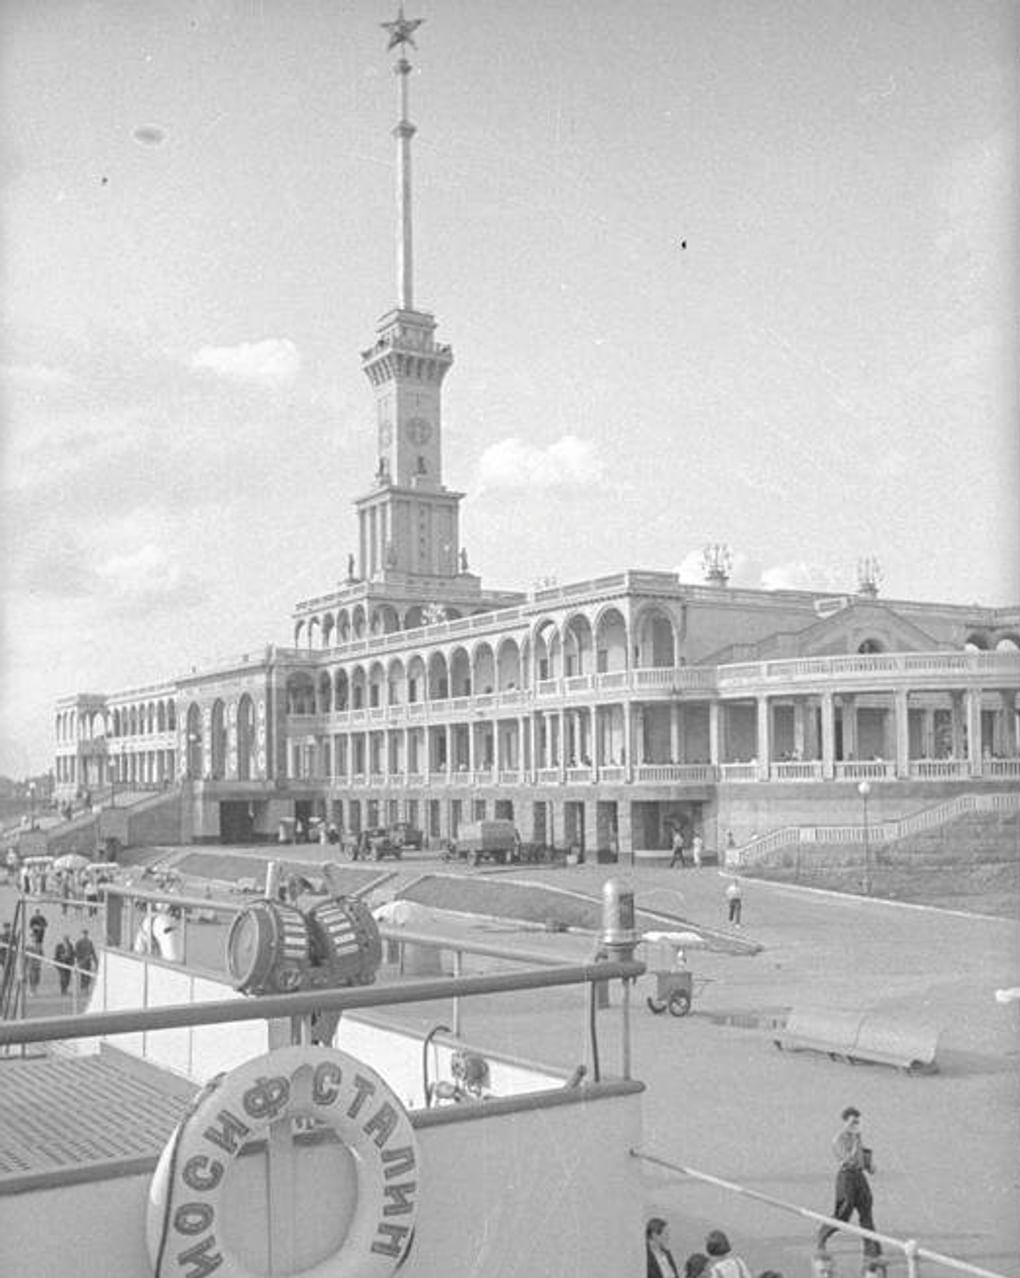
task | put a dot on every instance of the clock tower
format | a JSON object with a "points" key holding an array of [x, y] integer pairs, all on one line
{"points": [[408, 524]]}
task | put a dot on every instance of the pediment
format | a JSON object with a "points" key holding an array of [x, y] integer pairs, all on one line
{"points": [[862, 624]]}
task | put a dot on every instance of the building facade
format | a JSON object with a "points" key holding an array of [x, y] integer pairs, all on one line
{"points": [[601, 714]]}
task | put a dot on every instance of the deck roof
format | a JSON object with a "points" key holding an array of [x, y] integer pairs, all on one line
{"points": [[63, 1114]]}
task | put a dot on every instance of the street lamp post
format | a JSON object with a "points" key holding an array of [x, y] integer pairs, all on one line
{"points": [[864, 789]]}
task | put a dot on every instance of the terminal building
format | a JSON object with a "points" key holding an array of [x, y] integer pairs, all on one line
{"points": [[601, 715]]}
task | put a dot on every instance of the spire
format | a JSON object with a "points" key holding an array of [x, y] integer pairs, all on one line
{"points": [[402, 32]]}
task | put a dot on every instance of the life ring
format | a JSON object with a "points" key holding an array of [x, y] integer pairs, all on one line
{"points": [[321, 1083]]}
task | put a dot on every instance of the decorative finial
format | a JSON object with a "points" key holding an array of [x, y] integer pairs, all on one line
{"points": [[716, 563], [401, 30], [869, 576]]}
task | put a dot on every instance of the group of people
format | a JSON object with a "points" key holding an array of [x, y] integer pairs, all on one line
{"points": [[69, 957], [854, 1164], [679, 848], [718, 1260]]}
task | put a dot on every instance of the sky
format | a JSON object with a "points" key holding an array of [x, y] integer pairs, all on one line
{"points": [[198, 239]]}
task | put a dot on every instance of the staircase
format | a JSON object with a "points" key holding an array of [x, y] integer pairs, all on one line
{"points": [[958, 855], [772, 848]]}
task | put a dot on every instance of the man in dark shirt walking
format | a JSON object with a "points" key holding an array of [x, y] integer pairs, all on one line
{"points": [[853, 1193]]}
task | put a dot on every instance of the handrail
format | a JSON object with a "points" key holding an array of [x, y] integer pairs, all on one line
{"points": [[178, 1015], [912, 1250], [885, 831]]}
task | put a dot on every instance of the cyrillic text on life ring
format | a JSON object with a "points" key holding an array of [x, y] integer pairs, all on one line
{"points": [[184, 1232]]}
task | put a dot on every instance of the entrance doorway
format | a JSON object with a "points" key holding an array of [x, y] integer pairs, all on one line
{"points": [[237, 821]]}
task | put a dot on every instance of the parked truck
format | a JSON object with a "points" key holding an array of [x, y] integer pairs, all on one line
{"points": [[495, 840]]}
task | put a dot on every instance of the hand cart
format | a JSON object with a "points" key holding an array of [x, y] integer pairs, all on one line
{"points": [[666, 961]]}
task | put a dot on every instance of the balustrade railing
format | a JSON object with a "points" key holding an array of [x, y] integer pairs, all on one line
{"points": [[938, 769], [1001, 768], [796, 770], [865, 770], [580, 776], [676, 773], [578, 683], [738, 772]]}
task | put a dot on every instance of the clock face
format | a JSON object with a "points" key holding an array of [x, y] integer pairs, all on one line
{"points": [[419, 431]]}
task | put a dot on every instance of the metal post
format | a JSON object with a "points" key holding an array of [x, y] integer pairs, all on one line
{"points": [[864, 789], [625, 1028], [457, 965]]}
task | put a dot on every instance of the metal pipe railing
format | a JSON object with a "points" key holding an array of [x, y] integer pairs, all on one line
{"points": [[268, 1007], [911, 1249]]}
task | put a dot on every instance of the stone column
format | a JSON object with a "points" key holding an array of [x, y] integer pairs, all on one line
{"points": [[972, 706], [471, 734], [901, 717], [714, 713], [624, 830], [561, 753], [674, 732], [591, 829], [557, 822], [448, 738], [828, 735], [497, 753], [1007, 736], [628, 736], [763, 738], [850, 750]]}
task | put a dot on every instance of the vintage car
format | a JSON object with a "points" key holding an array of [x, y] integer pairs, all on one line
{"points": [[495, 840], [406, 835]]}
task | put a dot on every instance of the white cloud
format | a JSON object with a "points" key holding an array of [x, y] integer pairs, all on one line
{"points": [[270, 362], [799, 575], [150, 577], [568, 463], [793, 575]]}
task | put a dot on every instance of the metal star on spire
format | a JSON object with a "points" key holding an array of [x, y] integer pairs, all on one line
{"points": [[401, 30]]}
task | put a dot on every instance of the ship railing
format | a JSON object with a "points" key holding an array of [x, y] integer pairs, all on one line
{"points": [[542, 972], [910, 1249]]}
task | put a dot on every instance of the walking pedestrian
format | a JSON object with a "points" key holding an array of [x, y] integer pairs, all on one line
{"points": [[697, 850], [853, 1193], [63, 956], [90, 892], [678, 849], [85, 960], [37, 926], [735, 901]]}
